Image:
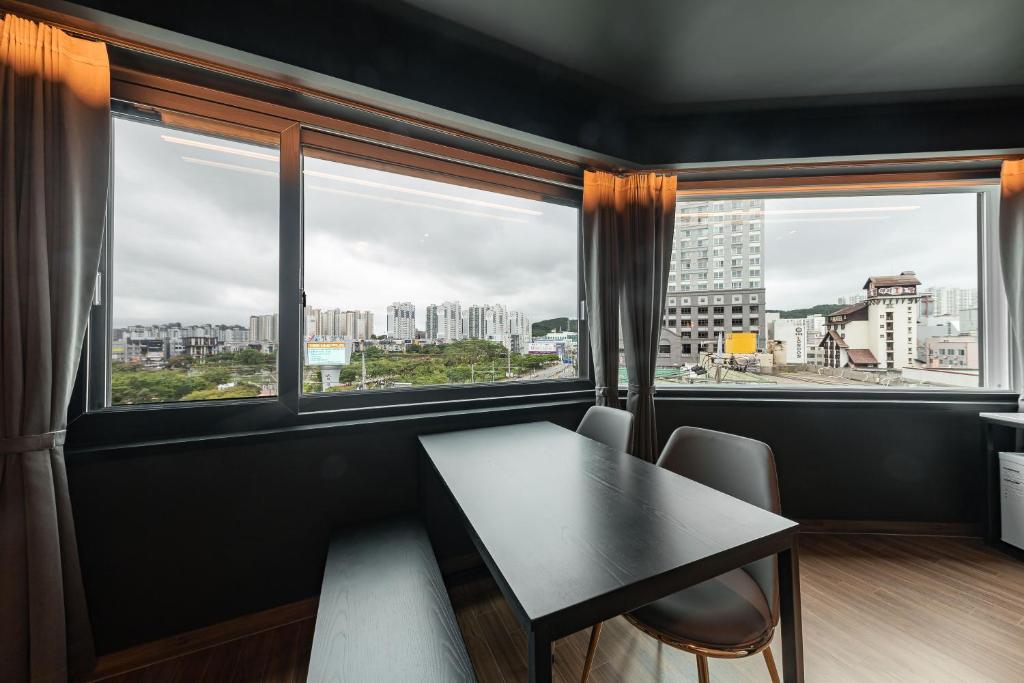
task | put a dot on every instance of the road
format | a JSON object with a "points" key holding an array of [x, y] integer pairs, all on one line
{"points": [[560, 371]]}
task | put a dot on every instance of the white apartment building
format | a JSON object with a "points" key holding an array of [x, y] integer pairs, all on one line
{"points": [[263, 327], [879, 332], [402, 320], [520, 332], [444, 321], [952, 300]]}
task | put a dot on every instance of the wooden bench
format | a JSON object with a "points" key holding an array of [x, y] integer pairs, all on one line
{"points": [[384, 614]]}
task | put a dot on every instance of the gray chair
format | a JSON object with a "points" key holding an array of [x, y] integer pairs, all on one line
{"points": [[733, 615], [610, 426]]}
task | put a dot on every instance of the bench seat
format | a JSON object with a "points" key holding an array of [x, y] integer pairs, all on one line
{"points": [[384, 613]]}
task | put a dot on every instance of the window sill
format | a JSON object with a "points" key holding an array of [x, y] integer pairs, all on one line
{"points": [[838, 394], [122, 427]]}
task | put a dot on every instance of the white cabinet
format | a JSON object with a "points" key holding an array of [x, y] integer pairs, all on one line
{"points": [[1011, 497]]}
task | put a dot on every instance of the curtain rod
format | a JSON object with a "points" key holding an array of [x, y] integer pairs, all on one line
{"points": [[862, 164], [73, 26]]}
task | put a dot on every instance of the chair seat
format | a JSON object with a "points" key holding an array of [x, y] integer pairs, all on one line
{"points": [[727, 611]]}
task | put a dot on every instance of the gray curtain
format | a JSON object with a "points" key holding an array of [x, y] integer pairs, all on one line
{"points": [[1011, 256], [646, 221], [601, 282], [54, 156]]}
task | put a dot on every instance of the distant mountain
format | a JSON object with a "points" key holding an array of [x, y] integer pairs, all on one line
{"points": [[542, 327], [820, 309]]}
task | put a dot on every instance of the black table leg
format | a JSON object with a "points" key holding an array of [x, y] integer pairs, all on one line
{"points": [[789, 599], [991, 485], [539, 659]]}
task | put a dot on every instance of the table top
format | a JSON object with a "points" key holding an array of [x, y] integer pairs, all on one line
{"points": [[1006, 419], [573, 530]]}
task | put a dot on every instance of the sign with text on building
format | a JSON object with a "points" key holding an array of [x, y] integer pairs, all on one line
{"points": [[899, 290], [327, 353]]}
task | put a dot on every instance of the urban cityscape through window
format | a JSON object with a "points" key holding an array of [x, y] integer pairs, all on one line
{"points": [[414, 282], [823, 291], [194, 270]]}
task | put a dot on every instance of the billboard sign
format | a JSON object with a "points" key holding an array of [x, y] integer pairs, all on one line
{"points": [[327, 353]]}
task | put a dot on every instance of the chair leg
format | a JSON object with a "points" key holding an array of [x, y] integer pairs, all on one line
{"points": [[595, 635], [703, 675], [770, 661]]}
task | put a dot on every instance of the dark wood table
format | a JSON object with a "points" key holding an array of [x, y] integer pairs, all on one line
{"points": [[576, 533]]}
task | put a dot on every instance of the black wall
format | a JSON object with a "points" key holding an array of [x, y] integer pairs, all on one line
{"points": [[796, 132], [177, 537], [873, 460]]}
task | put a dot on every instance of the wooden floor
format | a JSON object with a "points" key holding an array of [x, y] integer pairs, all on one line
{"points": [[875, 608]]}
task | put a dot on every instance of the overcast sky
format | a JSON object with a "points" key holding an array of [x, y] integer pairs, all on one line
{"points": [[195, 228], [816, 250], [196, 237]]}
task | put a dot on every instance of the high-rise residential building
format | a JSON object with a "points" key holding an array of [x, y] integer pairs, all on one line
{"points": [[263, 328], [473, 327], [520, 332], [880, 332], [335, 323], [402, 320], [716, 273], [447, 321], [430, 326], [357, 324], [495, 323], [951, 300]]}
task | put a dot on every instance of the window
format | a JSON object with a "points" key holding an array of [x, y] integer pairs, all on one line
{"points": [[411, 281], [193, 264], [416, 270], [889, 262]]}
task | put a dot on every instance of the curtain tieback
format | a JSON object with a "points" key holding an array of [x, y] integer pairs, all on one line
{"points": [[32, 442], [637, 389], [602, 392]]}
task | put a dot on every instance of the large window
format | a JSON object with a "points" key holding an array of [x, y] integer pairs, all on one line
{"points": [[411, 281], [193, 264], [394, 269], [858, 290]]}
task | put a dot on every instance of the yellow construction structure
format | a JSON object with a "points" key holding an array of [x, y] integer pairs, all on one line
{"points": [[741, 342]]}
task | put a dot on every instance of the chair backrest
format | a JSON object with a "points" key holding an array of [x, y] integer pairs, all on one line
{"points": [[610, 426], [741, 467]]}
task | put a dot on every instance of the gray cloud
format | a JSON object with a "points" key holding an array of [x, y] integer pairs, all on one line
{"points": [[814, 258], [195, 237]]}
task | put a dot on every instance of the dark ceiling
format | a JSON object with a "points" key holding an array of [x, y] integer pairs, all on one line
{"points": [[660, 82], [701, 51]]}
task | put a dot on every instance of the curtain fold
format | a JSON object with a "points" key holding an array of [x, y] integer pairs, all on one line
{"points": [[1011, 257], [601, 282], [627, 244], [647, 222], [54, 157]]}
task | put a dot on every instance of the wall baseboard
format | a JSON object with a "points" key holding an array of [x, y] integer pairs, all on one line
{"points": [[146, 654], [857, 526]]}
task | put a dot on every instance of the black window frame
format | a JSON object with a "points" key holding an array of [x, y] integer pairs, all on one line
{"points": [[294, 128], [982, 181]]}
